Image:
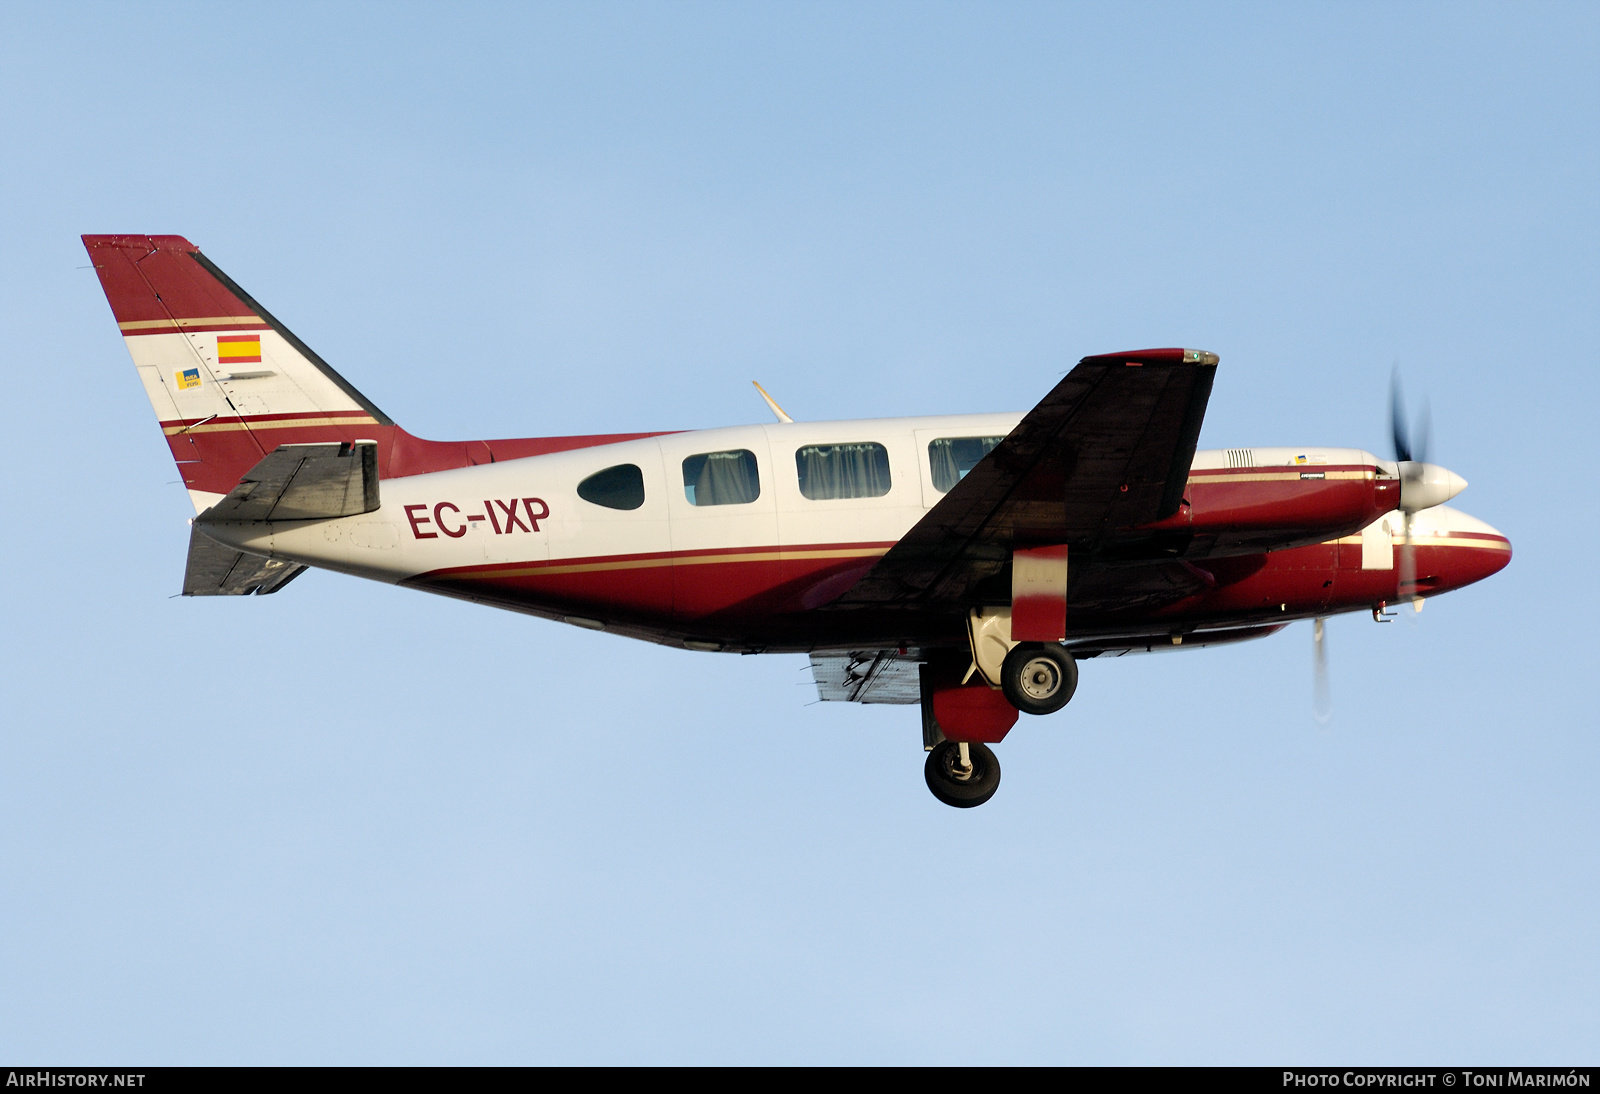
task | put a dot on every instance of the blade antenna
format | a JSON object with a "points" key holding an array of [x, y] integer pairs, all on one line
{"points": [[776, 409]]}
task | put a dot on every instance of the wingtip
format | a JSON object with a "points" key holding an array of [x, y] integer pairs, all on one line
{"points": [[1172, 356]]}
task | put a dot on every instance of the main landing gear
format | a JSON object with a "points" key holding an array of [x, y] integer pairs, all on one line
{"points": [[962, 775], [959, 711], [1038, 677]]}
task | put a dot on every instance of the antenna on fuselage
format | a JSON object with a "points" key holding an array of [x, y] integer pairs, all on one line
{"points": [[776, 409]]}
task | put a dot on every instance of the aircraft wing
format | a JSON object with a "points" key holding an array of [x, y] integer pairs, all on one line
{"points": [[1109, 448]]}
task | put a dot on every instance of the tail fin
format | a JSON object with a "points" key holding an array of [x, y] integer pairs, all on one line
{"points": [[229, 383]]}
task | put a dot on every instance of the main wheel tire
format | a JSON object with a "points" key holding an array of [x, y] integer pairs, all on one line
{"points": [[951, 785], [1038, 677]]}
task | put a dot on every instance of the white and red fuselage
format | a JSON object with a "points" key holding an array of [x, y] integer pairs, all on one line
{"points": [[1262, 536], [754, 576]]}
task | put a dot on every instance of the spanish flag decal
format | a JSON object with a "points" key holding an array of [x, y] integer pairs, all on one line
{"points": [[238, 349]]}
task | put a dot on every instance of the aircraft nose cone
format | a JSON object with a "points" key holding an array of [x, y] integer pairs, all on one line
{"points": [[1464, 556], [1488, 562]]}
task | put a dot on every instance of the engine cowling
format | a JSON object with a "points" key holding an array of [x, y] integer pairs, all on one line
{"points": [[1248, 510]]}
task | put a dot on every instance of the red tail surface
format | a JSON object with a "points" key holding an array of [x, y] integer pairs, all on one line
{"points": [[230, 383]]}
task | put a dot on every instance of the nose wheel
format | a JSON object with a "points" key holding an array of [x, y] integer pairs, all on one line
{"points": [[962, 774]]}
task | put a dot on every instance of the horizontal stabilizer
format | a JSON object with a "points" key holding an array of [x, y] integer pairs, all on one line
{"points": [[304, 482], [217, 570]]}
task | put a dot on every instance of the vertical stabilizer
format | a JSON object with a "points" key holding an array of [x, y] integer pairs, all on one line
{"points": [[228, 382]]}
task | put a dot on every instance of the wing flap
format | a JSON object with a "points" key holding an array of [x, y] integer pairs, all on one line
{"points": [[867, 676]]}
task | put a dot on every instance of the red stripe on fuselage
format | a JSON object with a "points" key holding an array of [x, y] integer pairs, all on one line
{"points": [[213, 455], [766, 591], [745, 582]]}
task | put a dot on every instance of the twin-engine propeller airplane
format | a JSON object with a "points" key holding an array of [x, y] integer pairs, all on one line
{"points": [[965, 563]]}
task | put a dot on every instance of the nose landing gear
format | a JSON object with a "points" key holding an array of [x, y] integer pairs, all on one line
{"points": [[962, 774]]}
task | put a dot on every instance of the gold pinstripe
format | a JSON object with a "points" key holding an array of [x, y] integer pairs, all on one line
{"points": [[847, 552], [284, 423], [1435, 541], [1276, 476], [774, 555], [181, 324]]}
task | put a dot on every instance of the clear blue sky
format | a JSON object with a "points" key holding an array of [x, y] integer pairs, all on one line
{"points": [[353, 824]]}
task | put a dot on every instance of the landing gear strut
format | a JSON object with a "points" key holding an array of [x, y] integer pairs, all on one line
{"points": [[962, 774], [1038, 677]]}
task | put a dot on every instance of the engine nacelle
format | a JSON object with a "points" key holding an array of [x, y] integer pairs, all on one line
{"points": [[1250, 509]]}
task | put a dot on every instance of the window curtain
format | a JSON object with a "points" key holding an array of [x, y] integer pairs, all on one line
{"points": [[722, 478], [950, 458], [843, 470]]}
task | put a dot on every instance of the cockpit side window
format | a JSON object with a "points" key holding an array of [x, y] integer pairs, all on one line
{"points": [[619, 487]]}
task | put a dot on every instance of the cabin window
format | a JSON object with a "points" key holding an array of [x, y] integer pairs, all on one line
{"points": [[620, 487], [952, 457], [843, 470], [722, 478]]}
